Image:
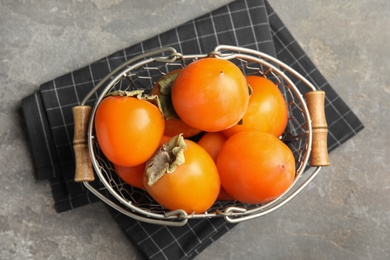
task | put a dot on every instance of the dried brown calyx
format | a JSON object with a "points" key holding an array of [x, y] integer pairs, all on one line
{"points": [[163, 89], [166, 159]]}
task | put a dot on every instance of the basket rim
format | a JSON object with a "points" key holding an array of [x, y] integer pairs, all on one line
{"points": [[232, 214]]}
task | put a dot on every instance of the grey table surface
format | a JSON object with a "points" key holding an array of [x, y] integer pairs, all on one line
{"points": [[343, 214]]}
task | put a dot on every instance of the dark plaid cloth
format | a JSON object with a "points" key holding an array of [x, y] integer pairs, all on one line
{"points": [[247, 23]]}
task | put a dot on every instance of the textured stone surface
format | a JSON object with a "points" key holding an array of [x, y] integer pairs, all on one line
{"points": [[343, 214]]}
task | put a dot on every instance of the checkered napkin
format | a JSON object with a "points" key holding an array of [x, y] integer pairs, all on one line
{"points": [[247, 23]]}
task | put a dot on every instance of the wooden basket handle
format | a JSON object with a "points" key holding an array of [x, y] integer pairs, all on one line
{"points": [[84, 171], [316, 104]]}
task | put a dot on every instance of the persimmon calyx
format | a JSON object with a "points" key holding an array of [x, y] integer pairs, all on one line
{"points": [[139, 94], [165, 88], [166, 82], [166, 159]]}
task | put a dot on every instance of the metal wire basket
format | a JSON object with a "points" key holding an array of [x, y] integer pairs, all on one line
{"points": [[306, 133]]}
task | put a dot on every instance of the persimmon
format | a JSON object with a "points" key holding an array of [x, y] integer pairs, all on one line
{"points": [[182, 175], [212, 143], [210, 94], [267, 110], [128, 129], [255, 167], [132, 175]]}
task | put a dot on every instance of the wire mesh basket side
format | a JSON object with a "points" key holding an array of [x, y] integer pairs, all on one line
{"points": [[144, 75]]}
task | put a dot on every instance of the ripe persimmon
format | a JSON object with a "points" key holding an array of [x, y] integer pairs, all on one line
{"points": [[128, 129], [182, 175], [255, 167], [210, 94], [267, 110]]}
